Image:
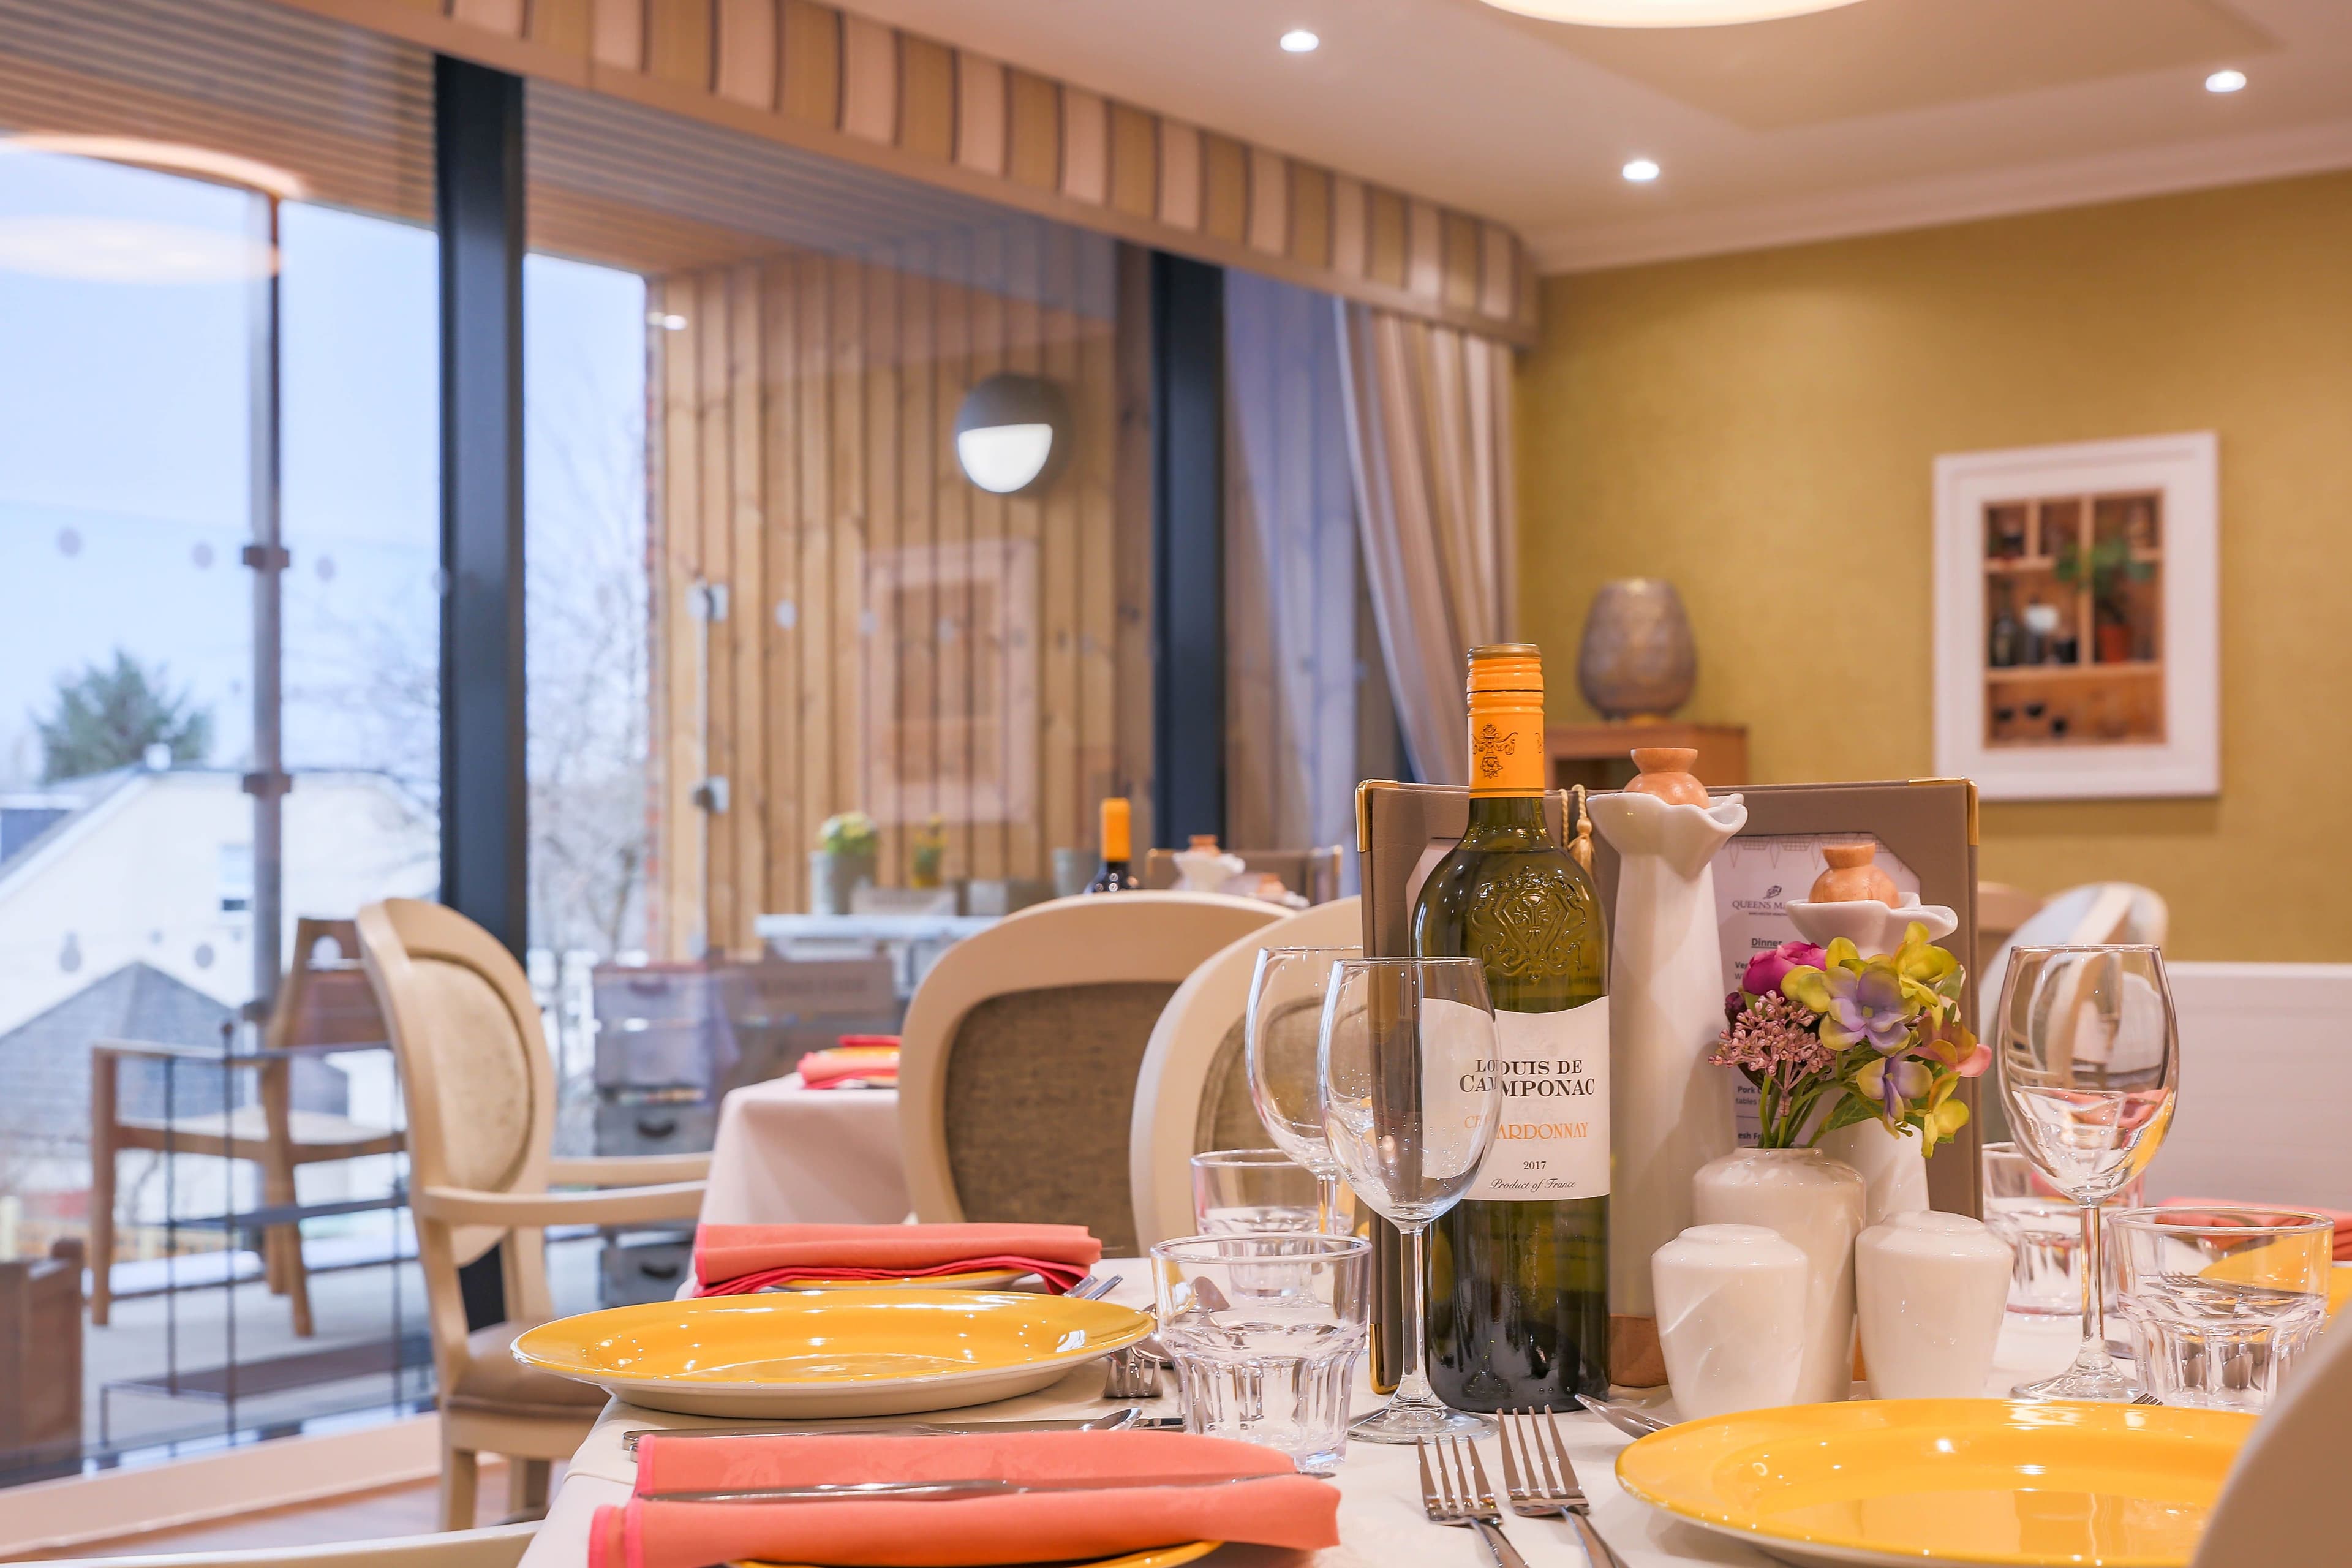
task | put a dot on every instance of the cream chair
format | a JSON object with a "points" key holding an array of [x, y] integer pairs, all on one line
{"points": [[1017, 1061], [499, 1546], [1192, 1093], [480, 1090], [2279, 1506]]}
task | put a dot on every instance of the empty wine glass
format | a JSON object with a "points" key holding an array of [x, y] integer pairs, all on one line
{"points": [[1410, 1102], [1282, 1031], [2089, 1053]]}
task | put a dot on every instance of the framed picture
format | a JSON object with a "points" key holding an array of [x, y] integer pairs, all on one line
{"points": [[2077, 619]]}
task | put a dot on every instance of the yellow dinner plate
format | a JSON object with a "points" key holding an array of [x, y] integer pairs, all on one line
{"points": [[1907, 1481], [1158, 1557], [815, 1354], [2339, 1287]]}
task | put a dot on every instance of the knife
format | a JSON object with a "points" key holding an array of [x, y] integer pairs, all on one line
{"points": [[948, 1491], [1128, 1418]]}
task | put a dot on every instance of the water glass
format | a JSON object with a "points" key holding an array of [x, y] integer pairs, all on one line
{"points": [[2044, 1230], [1282, 1030], [1236, 1190], [1265, 1331], [2220, 1303]]}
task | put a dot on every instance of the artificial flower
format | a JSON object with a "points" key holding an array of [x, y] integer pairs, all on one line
{"points": [[1855, 1005], [1889, 1081], [1950, 1044], [1766, 969]]}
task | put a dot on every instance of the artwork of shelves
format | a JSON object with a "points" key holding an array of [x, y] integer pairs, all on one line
{"points": [[2075, 610]]}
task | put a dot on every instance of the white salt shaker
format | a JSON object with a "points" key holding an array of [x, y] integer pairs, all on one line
{"points": [[1731, 1318], [1929, 1290]]}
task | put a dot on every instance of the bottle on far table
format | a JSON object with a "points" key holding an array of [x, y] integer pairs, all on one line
{"points": [[1117, 848], [1520, 1270]]}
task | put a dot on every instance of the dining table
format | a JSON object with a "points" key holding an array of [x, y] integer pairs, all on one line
{"points": [[788, 1153], [1381, 1524]]}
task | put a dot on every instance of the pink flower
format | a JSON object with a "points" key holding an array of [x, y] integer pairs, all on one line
{"points": [[1766, 970]]}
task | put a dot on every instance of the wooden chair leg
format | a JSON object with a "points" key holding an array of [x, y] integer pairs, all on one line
{"points": [[282, 1250], [526, 1488], [458, 1476], [102, 1185]]}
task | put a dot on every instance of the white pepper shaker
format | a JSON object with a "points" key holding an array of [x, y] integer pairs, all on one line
{"points": [[1731, 1318], [1930, 1289]]}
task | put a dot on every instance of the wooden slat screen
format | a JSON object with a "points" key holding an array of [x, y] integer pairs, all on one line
{"points": [[895, 639]]}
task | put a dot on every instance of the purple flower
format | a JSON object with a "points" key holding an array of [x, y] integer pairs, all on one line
{"points": [[1766, 969], [1866, 1006], [1891, 1081]]}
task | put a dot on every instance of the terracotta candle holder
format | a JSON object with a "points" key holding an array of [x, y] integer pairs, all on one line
{"points": [[1665, 773], [1853, 876]]}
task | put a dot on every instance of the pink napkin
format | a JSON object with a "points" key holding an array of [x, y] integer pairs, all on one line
{"points": [[2343, 1220], [1289, 1511], [825, 1069], [737, 1259]]}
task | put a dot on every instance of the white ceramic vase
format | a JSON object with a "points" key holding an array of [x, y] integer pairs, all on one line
{"points": [[1669, 1110], [1931, 1289], [1731, 1318], [1206, 870], [1816, 1204], [1894, 1169]]}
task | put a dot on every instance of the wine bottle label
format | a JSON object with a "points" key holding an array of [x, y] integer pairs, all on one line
{"points": [[1552, 1143]]}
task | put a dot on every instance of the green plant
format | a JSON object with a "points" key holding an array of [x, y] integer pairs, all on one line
{"points": [[850, 834], [2107, 566], [107, 718]]}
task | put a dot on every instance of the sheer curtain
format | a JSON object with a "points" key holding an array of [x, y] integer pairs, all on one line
{"points": [[1429, 430]]}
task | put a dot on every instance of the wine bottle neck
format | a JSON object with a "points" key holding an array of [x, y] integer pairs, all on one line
{"points": [[1492, 812]]}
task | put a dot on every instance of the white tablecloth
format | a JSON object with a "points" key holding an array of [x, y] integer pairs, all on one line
{"points": [[1380, 1521], [787, 1154]]}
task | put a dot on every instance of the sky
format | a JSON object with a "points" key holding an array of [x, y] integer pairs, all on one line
{"points": [[125, 446]]}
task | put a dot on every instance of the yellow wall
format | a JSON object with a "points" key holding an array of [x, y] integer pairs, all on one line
{"points": [[1759, 429]]}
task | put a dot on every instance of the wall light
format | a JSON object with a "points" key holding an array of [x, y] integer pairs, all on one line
{"points": [[1640, 171], [2225, 82], [1299, 41], [1013, 434]]}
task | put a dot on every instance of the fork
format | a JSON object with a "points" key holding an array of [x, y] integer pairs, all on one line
{"points": [[1452, 1498], [1094, 1286], [1541, 1480]]}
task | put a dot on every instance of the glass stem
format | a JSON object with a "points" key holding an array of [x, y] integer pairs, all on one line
{"points": [[2095, 1293], [1327, 1203], [1412, 1383]]}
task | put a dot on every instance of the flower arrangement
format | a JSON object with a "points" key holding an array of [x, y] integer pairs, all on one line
{"points": [[852, 835], [1816, 1028]]}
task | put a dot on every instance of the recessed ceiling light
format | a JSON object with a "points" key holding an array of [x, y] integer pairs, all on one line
{"points": [[1664, 13], [1299, 41], [2225, 82], [1640, 171]]}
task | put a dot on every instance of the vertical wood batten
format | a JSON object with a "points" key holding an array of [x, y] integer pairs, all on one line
{"points": [[1180, 175], [820, 726], [980, 113], [619, 34], [677, 42], [882, 656], [680, 553], [747, 52], [869, 62], [812, 63], [991, 663], [564, 26], [853, 714], [1085, 146], [1269, 202], [927, 98], [714, 508], [780, 611], [952, 720], [747, 622]]}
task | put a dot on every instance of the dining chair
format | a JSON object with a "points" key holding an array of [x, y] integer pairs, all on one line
{"points": [[495, 1546], [2001, 909], [481, 1088], [1017, 1061], [325, 1004], [1192, 1093], [1314, 874], [2276, 1507]]}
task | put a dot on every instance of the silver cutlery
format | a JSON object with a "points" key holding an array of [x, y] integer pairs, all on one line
{"points": [[950, 1491], [1094, 1286], [1129, 1418], [1624, 1418], [1452, 1497], [1541, 1480], [1130, 1374], [2144, 1398]]}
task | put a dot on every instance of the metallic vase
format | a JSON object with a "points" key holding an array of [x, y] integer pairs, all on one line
{"points": [[1637, 659]]}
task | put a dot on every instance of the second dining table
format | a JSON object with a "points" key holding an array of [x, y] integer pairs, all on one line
{"points": [[785, 1153]]}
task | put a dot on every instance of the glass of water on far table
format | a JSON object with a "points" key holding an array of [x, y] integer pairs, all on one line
{"points": [[1236, 1190], [2089, 1054], [1282, 1029], [1265, 1331]]}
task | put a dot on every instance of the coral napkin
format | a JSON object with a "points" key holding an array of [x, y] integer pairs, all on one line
{"points": [[2343, 1220], [737, 1259], [1289, 1511], [824, 1069]]}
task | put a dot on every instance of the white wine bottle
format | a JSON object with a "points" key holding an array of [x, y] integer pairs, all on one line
{"points": [[1519, 1288]]}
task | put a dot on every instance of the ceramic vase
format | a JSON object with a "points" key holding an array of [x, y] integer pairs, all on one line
{"points": [[1930, 1289], [1637, 659], [833, 878], [1894, 1168], [1731, 1318], [1815, 1203], [1669, 1109]]}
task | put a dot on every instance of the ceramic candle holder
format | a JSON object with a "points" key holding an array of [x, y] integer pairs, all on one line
{"points": [[1731, 1318], [1815, 1203], [1930, 1289]]}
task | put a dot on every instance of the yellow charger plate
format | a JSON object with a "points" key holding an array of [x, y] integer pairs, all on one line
{"points": [[815, 1354], [1158, 1557], [1984, 1481]]}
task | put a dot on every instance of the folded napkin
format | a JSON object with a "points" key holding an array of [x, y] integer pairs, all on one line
{"points": [[1288, 1510], [2343, 1220], [737, 1259], [864, 1064]]}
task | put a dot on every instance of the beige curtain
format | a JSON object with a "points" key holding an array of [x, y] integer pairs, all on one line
{"points": [[1429, 430]]}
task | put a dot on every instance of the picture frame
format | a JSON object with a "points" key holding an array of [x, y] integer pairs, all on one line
{"points": [[2077, 639]]}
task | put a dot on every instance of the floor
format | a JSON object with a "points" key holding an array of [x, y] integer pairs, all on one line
{"points": [[409, 1509]]}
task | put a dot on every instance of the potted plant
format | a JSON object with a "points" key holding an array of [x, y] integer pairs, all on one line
{"points": [[2105, 567], [848, 844]]}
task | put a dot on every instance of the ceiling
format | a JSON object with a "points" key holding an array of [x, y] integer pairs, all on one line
{"points": [[1885, 114]]}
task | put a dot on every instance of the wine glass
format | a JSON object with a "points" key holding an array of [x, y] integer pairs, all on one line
{"points": [[2089, 1053], [1411, 1099], [1283, 1030]]}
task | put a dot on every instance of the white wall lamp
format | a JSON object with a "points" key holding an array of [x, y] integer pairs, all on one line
{"points": [[1013, 434]]}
